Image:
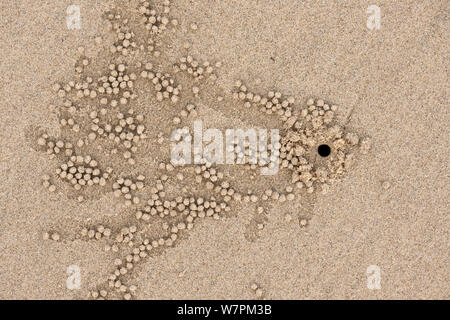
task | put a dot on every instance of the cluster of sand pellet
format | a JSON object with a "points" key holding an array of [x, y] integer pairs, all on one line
{"points": [[164, 84], [81, 64], [126, 131], [281, 196], [105, 112], [185, 211], [96, 233], [82, 171], [126, 235], [198, 70], [78, 90], [116, 88], [52, 235], [54, 147], [126, 186], [305, 132], [249, 156], [48, 184], [125, 43], [272, 103], [259, 293], [153, 21], [187, 111]]}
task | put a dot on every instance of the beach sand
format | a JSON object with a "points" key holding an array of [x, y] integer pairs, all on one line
{"points": [[390, 210]]}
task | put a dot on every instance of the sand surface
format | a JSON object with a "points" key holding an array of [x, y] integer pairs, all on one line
{"points": [[391, 209]]}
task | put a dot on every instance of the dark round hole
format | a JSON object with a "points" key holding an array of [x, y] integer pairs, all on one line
{"points": [[324, 150]]}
